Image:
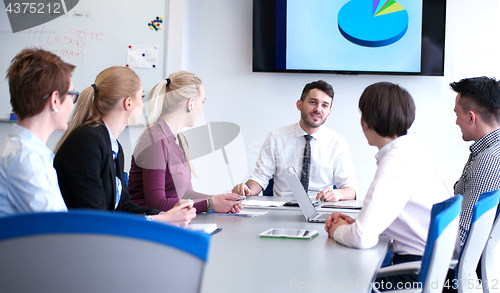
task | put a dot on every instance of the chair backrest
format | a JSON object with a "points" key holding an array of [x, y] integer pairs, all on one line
{"points": [[483, 216], [269, 189], [443, 231], [125, 176], [90, 251], [488, 264]]}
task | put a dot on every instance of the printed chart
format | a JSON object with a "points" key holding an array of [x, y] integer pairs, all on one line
{"points": [[373, 23]]}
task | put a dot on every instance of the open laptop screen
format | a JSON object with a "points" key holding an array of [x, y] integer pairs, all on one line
{"points": [[298, 192]]}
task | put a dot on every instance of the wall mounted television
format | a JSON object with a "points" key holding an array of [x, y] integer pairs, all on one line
{"points": [[403, 37]]}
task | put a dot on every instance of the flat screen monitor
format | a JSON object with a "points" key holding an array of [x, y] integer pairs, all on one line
{"points": [[404, 37]]}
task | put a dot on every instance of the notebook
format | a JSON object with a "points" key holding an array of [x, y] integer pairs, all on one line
{"points": [[302, 198], [207, 228]]}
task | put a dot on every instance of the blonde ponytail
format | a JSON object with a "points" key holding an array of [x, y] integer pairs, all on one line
{"points": [[184, 147], [155, 108], [168, 94], [111, 85]]}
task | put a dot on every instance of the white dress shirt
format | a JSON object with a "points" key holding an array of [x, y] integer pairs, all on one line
{"points": [[406, 185], [331, 162], [28, 180]]}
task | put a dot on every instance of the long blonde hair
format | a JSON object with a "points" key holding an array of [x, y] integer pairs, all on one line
{"points": [[163, 99], [99, 99], [168, 96]]}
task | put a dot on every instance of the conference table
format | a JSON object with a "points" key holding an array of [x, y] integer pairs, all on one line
{"points": [[241, 261]]}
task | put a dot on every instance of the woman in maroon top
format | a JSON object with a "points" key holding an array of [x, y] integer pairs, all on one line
{"points": [[160, 172]]}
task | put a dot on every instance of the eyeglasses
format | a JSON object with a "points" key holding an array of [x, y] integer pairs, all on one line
{"points": [[74, 96]]}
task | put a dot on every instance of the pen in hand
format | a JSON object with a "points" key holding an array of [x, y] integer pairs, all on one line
{"points": [[186, 203]]}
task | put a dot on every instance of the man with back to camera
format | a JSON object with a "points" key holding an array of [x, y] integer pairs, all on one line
{"points": [[319, 155], [477, 107]]}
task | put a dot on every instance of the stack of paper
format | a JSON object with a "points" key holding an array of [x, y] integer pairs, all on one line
{"points": [[243, 214], [207, 228], [262, 203]]}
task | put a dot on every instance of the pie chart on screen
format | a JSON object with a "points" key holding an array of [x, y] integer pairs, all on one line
{"points": [[373, 23]]}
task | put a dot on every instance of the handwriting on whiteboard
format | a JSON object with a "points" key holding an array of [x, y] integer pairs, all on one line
{"points": [[69, 44]]}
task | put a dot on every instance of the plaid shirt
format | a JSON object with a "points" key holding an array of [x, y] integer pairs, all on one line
{"points": [[481, 174]]}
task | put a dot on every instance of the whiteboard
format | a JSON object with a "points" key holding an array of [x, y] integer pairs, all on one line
{"points": [[94, 35]]}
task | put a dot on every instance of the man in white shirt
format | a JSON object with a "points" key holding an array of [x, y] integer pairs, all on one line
{"points": [[320, 155]]}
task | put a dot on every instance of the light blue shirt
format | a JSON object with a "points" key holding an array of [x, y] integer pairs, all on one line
{"points": [[28, 180], [115, 149]]}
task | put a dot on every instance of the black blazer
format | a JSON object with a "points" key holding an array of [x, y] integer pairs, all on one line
{"points": [[86, 172]]}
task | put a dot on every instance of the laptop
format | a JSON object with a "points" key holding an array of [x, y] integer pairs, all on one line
{"points": [[302, 198]]}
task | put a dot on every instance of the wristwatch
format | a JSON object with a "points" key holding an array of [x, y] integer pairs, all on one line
{"points": [[149, 218], [210, 206]]}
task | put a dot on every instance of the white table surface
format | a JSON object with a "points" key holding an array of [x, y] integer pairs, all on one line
{"points": [[241, 261]]}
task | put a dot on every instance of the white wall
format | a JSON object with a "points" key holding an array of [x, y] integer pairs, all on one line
{"points": [[220, 51], [216, 38]]}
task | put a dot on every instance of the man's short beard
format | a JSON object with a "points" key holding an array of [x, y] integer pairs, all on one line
{"points": [[304, 118]]}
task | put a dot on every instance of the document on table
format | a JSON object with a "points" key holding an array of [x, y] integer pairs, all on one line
{"points": [[207, 228], [249, 214], [262, 203]]}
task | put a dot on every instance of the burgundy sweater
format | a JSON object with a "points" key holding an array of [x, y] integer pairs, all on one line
{"points": [[159, 174]]}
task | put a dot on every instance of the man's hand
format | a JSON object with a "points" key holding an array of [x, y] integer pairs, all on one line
{"points": [[241, 189], [329, 194]]}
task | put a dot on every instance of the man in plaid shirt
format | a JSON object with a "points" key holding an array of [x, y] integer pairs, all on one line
{"points": [[477, 107]]}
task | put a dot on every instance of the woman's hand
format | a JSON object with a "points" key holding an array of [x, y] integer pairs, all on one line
{"points": [[225, 203], [180, 215]]}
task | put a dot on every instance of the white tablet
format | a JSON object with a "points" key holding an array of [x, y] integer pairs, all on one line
{"points": [[289, 233]]}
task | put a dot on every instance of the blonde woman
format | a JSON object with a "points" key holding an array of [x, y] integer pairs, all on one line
{"points": [[160, 172], [89, 159]]}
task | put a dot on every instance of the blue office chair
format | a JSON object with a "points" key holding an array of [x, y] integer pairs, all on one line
{"points": [[125, 176], [91, 251], [269, 189], [483, 215], [488, 263], [441, 239]]}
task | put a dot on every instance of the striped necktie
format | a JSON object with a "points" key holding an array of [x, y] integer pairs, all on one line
{"points": [[306, 163]]}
